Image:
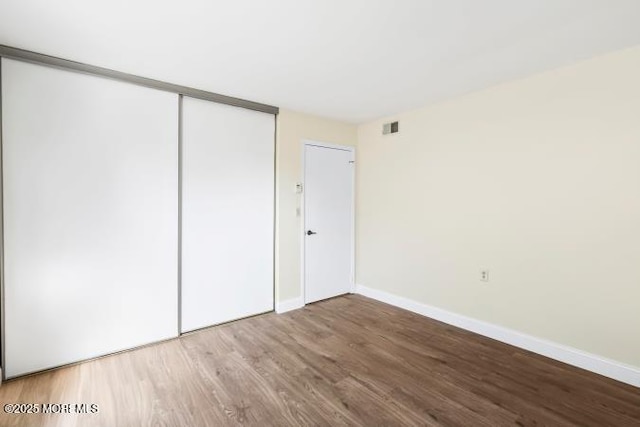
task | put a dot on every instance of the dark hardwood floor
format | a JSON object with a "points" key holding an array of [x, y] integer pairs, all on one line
{"points": [[345, 361]]}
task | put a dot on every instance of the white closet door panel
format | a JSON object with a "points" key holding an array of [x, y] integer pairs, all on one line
{"points": [[227, 214], [90, 216]]}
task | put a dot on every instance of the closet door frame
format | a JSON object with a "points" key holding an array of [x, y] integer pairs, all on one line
{"points": [[9, 52]]}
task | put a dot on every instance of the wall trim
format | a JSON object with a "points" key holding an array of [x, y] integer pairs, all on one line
{"points": [[609, 368], [289, 305]]}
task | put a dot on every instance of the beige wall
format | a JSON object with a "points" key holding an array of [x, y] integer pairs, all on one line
{"points": [[538, 181], [292, 129]]}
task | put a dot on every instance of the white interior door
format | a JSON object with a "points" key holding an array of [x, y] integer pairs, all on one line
{"points": [[227, 213], [328, 216], [90, 169]]}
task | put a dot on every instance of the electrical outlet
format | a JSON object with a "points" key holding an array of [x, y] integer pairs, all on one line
{"points": [[484, 275]]}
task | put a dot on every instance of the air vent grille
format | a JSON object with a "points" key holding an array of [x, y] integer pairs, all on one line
{"points": [[388, 128]]}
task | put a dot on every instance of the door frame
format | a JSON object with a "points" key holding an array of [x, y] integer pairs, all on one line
{"points": [[304, 144]]}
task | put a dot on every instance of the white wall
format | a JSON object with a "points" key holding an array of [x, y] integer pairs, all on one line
{"points": [[292, 128], [537, 180]]}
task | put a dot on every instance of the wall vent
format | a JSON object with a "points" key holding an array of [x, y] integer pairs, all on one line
{"points": [[388, 128]]}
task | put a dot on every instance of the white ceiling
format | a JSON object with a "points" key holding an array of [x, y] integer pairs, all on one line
{"points": [[353, 60]]}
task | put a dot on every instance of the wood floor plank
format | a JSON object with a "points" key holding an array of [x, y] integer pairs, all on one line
{"points": [[347, 361]]}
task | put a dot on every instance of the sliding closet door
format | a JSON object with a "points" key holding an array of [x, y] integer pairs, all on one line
{"points": [[90, 216], [227, 213]]}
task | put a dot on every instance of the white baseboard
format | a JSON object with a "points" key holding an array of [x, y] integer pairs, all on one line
{"points": [[572, 356], [288, 305]]}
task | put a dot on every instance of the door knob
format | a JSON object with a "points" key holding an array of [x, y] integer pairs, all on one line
{"points": [[309, 232]]}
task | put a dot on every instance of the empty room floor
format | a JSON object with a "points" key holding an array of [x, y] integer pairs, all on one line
{"points": [[344, 361]]}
